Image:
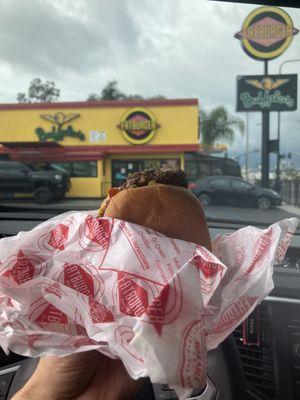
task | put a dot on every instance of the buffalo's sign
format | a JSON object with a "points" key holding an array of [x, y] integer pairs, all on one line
{"points": [[266, 33], [267, 93], [59, 130]]}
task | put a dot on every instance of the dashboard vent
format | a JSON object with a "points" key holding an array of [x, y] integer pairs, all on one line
{"points": [[257, 361], [294, 349]]}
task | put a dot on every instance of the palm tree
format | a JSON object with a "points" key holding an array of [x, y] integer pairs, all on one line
{"points": [[218, 124]]}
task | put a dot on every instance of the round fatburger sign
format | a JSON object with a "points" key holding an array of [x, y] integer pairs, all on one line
{"points": [[138, 126], [266, 33]]}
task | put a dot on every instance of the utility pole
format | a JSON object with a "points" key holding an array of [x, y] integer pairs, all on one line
{"points": [[278, 182], [265, 159]]}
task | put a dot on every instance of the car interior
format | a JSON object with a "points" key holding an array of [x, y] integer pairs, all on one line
{"points": [[260, 360]]}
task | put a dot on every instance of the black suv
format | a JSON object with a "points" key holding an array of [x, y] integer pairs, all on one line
{"points": [[46, 185]]}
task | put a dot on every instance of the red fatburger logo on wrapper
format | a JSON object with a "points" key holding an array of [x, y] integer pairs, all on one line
{"points": [[23, 267], [52, 314], [166, 306], [260, 249], [193, 365], [157, 304], [57, 238], [133, 298], [83, 279], [157, 310], [45, 314], [211, 271], [283, 246], [234, 314], [95, 233]]}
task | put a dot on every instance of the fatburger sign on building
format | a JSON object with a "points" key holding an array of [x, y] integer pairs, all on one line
{"points": [[138, 126], [266, 33]]}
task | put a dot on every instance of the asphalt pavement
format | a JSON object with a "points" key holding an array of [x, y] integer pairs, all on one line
{"points": [[251, 215], [244, 214]]}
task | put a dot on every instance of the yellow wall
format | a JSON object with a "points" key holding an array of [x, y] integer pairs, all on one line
{"points": [[179, 124]]}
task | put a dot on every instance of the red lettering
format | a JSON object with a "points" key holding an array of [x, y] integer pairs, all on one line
{"points": [[78, 279], [133, 299], [58, 236]]}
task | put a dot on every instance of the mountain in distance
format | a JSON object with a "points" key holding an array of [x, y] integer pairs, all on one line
{"points": [[254, 160]]}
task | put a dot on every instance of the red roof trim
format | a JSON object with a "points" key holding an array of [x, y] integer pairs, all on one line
{"points": [[100, 104], [69, 153]]}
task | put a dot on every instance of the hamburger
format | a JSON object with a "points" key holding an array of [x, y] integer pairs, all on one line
{"points": [[159, 199]]}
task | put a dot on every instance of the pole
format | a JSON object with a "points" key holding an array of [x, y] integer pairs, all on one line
{"points": [[278, 183], [265, 161], [247, 148]]}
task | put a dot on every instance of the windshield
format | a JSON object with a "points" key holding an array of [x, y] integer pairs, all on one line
{"points": [[92, 92]]}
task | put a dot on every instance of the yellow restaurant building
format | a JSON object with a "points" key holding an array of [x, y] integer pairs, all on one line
{"points": [[99, 143]]}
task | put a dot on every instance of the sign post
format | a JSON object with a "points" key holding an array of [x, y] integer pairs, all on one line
{"points": [[266, 33]]}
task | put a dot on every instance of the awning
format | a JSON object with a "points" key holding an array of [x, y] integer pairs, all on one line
{"points": [[52, 151], [23, 145]]}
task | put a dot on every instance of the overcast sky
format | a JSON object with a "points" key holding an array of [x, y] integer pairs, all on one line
{"points": [[178, 48]]}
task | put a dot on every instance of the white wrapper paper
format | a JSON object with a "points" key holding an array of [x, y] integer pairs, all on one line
{"points": [[77, 283]]}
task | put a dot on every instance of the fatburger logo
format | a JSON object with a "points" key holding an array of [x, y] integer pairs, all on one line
{"points": [[56, 239], [138, 126], [52, 315], [78, 279], [193, 366], [211, 271], [266, 33], [58, 236], [95, 233], [234, 314], [133, 298], [22, 267], [83, 279]]}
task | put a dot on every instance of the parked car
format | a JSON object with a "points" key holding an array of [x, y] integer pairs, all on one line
{"points": [[46, 185], [231, 190]]}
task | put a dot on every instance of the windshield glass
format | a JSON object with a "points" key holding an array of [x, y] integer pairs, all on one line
{"points": [[92, 92]]}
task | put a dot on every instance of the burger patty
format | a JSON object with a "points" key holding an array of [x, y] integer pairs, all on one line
{"points": [[175, 177]]}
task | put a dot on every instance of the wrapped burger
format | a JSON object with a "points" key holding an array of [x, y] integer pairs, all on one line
{"points": [[140, 281]]}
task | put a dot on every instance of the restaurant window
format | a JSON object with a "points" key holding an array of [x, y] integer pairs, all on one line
{"points": [[80, 169], [84, 169], [191, 170]]}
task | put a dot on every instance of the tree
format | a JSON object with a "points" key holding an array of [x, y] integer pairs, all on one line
{"points": [[93, 97], [109, 92], [218, 124], [112, 92], [39, 92]]}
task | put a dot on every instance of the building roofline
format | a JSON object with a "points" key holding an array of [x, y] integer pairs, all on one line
{"points": [[100, 104]]}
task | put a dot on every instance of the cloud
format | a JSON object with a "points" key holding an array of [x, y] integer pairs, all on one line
{"points": [[179, 48]]}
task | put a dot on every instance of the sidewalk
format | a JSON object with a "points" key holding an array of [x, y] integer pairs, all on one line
{"points": [[291, 209]]}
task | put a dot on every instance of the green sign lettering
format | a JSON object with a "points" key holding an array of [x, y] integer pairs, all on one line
{"points": [[58, 135], [265, 99]]}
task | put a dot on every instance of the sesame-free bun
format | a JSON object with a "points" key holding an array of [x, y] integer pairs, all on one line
{"points": [[171, 210]]}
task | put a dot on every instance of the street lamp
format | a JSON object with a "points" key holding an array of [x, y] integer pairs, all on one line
{"points": [[277, 182], [246, 155]]}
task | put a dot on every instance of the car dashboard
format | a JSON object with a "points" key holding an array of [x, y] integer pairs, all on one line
{"points": [[268, 342]]}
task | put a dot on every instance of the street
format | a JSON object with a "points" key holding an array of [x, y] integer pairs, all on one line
{"points": [[243, 214], [251, 215]]}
